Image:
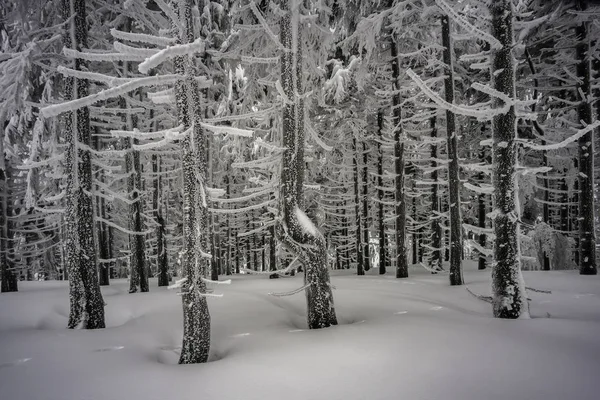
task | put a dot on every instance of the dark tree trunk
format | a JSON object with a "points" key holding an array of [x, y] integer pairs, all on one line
{"points": [[359, 246], [365, 206], [380, 194], [436, 227], [86, 302], [587, 230], [401, 259], [509, 297], [456, 274], [8, 277]]}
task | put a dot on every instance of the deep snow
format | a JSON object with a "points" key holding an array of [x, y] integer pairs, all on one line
{"points": [[411, 339]]}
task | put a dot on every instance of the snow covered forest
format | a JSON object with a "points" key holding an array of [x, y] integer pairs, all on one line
{"points": [[197, 181]]}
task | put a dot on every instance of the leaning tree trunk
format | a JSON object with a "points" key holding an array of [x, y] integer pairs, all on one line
{"points": [[196, 318], [299, 233], [587, 231], [456, 274], [86, 302], [509, 297], [401, 260]]}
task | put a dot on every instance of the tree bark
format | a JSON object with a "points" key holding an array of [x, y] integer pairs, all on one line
{"points": [[456, 274], [509, 297], [401, 260], [299, 233], [365, 208], [86, 302], [359, 247], [196, 317], [380, 194], [587, 230], [436, 227]]}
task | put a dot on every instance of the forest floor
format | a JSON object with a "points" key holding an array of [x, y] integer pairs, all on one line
{"points": [[411, 339]]}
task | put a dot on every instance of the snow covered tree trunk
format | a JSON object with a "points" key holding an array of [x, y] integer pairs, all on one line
{"points": [[300, 234], [587, 232], [436, 227], [365, 207], [86, 302], [456, 275], [161, 242], [8, 277], [196, 318], [101, 227], [509, 297], [380, 193], [359, 246], [401, 260]]}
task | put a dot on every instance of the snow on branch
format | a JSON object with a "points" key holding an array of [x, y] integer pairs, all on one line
{"points": [[120, 228], [107, 57], [141, 38], [480, 249], [227, 282], [485, 189], [482, 115], [467, 26], [197, 46], [123, 48], [265, 25], [178, 283], [571, 139], [56, 109], [291, 292], [259, 60], [92, 76], [228, 130], [315, 135]]}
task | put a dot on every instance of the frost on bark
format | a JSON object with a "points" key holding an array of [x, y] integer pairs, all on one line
{"points": [[86, 303], [299, 233], [196, 318], [380, 193], [435, 262], [8, 277], [365, 207], [456, 275], [509, 297], [587, 233], [360, 270], [401, 260], [161, 239]]}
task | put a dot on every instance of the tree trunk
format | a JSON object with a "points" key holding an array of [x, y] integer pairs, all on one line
{"points": [[365, 210], [587, 230], [300, 234], [509, 297], [86, 302], [380, 194], [436, 227], [456, 274], [196, 317], [401, 260], [161, 240], [8, 277], [359, 246]]}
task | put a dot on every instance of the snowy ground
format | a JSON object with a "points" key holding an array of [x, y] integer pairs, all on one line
{"points": [[413, 339]]}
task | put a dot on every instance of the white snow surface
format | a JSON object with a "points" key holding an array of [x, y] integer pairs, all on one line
{"points": [[415, 338]]}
